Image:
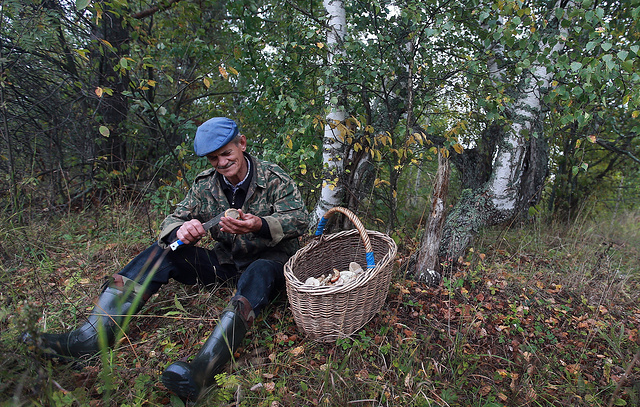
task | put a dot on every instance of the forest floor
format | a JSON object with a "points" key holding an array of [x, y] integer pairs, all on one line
{"points": [[543, 315]]}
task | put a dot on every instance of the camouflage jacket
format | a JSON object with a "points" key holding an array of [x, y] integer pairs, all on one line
{"points": [[272, 195]]}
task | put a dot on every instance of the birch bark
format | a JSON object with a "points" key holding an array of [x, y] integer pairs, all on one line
{"points": [[334, 132]]}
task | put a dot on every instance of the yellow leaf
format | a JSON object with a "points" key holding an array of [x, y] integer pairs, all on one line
{"points": [[458, 148], [107, 43], [635, 114], [223, 72], [320, 45], [233, 70], [206, 82], [99, 92], [83, 54]]}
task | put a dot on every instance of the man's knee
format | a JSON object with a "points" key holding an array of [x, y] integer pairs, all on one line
{"points": [[148, 265], [262, 266]]}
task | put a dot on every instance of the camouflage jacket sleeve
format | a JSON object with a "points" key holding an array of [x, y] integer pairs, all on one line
{"points": [[195, 205]]}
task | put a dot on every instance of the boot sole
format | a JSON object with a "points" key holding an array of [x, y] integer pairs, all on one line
{"points": [[182, 386]]}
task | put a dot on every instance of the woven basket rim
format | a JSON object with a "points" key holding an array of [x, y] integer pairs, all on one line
{"points": [[362, 279]]}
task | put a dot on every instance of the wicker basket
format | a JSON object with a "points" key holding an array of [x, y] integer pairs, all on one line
{"points": [[327, 313]]}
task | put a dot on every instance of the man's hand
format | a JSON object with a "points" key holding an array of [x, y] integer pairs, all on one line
{"points": [[191, 231], [247, 223]]}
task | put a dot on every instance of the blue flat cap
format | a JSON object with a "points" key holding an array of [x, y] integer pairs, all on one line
{"points": [[214, 134]]}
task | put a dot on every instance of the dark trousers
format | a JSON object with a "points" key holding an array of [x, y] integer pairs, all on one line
{"points": [[195, 265]]}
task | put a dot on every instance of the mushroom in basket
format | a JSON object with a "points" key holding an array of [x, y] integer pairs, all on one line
{"points": [[336, 277]]}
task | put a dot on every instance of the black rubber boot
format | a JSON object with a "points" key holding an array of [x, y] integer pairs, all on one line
{"points": [[188, 380], [101, 326]]}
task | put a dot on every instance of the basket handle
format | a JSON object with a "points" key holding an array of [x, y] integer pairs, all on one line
{"points": [[371, 263]]}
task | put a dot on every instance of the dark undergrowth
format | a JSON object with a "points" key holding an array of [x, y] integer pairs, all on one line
{"points": [[546, 315]]}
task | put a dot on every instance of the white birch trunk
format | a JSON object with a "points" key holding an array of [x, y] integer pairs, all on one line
{"points": [[332, 159], [504, 184], [501, 198]]}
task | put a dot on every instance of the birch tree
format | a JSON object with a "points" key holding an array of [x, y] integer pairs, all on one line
{"points": [[560, 68], [515, 179], [335, 130]]}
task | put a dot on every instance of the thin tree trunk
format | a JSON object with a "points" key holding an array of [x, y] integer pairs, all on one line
{"points": [[428, 255], [114, 108], [335, 129], [5, 132]]}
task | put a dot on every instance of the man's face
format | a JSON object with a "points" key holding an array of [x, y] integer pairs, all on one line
{"points": [[229, 161]]}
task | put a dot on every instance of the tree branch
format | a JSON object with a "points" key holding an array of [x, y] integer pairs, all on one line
{"points": [[150, 11], [611, 147]]}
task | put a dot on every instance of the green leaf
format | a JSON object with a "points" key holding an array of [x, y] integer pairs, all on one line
{"points": [[559, 13], [82, 4], [590, 45], [176, 401], [608, 59], [575, 66], [623, 55], [177, 303], [606, 46], [577, 91], [104, 130]]}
